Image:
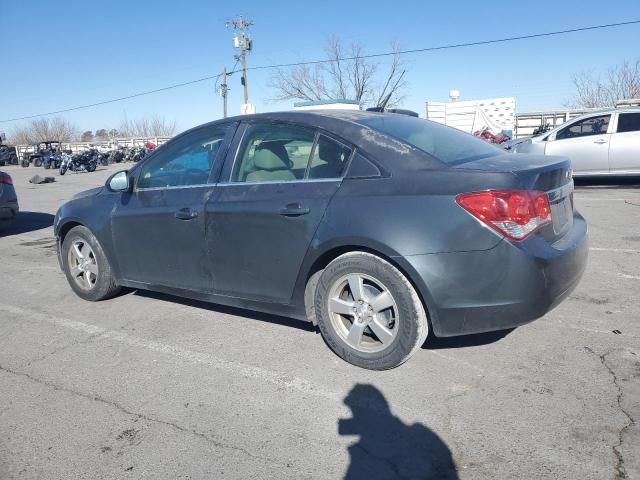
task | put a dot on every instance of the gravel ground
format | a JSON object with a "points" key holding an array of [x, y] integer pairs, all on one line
{"points": [[152, 386]]}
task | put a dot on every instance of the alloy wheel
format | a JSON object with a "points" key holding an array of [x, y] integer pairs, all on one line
{"points": [[83, 265], [363, 312]]}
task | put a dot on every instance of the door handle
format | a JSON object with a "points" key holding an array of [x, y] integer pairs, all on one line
{"points": [[293, 210], [185, 214], [599, 142]]}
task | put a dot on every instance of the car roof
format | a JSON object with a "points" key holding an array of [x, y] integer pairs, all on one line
{"points": [[305, 116]]}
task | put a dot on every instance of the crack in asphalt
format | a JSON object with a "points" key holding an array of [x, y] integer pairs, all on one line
{"points": [[620, 470], [150, 419]]}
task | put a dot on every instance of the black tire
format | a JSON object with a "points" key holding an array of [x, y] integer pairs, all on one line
{"points": [[410, 319], [91, 166], [105, 285], [63, 169], [24, 163], [37, 162]]}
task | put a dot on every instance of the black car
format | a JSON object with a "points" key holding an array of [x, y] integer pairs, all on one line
{"points": [[376, 227]]}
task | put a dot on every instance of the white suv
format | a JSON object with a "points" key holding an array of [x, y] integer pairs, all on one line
{"points": [[598, 143]]}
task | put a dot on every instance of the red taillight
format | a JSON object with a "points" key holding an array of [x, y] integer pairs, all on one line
{"points": [[4, 178], [514, 213]]}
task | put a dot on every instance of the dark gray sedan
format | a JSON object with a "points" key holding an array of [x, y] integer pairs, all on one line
{"points": [[8, 198], [376, 227]]}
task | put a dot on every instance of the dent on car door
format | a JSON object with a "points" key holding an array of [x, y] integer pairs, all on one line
{"points": [[624, 152], [585, 142], [261, 222], [159, 228]]}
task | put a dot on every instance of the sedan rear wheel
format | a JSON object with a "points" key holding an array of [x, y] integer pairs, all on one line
{"points": [[368, 312]]}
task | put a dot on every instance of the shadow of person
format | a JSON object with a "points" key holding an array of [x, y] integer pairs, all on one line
{"points": [[387, 448]]}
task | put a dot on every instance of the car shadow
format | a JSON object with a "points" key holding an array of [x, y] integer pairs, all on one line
{"points": [[240, 312], [26, 222], [387, 447], [462, 341], [606, 182]]}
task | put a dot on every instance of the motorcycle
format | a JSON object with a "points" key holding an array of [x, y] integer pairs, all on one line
{"points": [[485, 134], [80, 162]]}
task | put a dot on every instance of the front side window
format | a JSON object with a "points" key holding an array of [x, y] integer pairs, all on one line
{"points": [[186, 162], [273, 153], [588, 126], [629, 122]]}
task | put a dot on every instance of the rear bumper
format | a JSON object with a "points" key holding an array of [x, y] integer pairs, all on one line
{"points": [[509, 285]]}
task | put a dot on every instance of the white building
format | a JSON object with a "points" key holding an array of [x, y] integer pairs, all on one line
{"points": [[496, 114]]}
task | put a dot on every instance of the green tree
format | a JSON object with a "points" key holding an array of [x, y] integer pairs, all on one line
{"points": [[86, 136]]}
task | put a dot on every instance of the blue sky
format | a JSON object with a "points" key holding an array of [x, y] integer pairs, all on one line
{"points": [[88, 51]]}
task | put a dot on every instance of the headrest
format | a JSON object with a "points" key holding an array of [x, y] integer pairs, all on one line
{"points": [[266, 159], [328, 150]]}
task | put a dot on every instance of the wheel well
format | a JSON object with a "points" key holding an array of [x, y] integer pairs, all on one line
{"points": [[329, 256], [64, 229]]}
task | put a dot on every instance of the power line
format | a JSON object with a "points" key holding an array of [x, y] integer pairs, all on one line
{"points": [[113, 100], [315, 62], [447, 47]]}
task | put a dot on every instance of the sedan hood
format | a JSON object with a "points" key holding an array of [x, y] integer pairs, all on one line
{"points": [[88, 193]]}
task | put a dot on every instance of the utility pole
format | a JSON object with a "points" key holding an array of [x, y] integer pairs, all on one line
{"points": [[223, 91], [245, 44]]}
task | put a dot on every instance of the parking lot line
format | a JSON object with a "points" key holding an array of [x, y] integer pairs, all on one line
{"points": [[249, 371], [616, 250]]}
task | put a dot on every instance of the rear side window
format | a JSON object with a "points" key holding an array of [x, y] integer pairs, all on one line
{"points": [[329, 158], [273, 153], [629, 122], [444, 143]]}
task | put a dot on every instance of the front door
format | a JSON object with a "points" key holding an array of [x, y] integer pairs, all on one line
{"points": [[159, 228], [261, 222], [586, 143]]}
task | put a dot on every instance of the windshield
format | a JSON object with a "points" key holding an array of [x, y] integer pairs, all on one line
{"points": [[446, 144]]}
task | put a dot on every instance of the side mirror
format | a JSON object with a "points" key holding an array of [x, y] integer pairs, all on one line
{"points": [[119, 182]]}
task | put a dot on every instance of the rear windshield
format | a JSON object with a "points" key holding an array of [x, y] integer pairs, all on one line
{"points": [[444, 143]]}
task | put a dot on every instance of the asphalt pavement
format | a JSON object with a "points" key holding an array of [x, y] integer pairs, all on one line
{"points": [[152, 386]]}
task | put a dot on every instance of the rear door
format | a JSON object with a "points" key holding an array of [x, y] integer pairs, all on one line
{"points": [[585, 142], [624, 153], [261, 221], [159, 228]]}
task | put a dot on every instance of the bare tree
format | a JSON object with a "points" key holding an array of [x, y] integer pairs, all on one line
{"points": [[620, 82], [147, 127], [347, 74], [43, 129]]}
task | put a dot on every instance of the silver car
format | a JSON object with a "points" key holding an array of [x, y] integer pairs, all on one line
{"points": [[598, 143]]}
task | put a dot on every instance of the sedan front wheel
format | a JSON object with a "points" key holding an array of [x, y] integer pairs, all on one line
{"points": [[86, 266], [368, 312]]}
